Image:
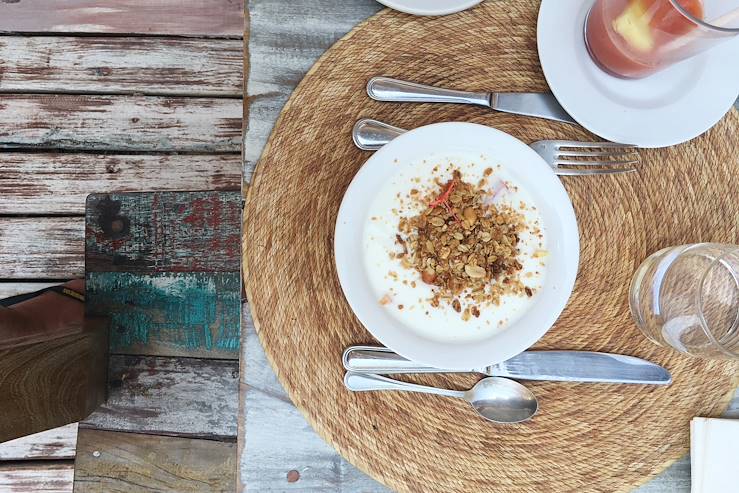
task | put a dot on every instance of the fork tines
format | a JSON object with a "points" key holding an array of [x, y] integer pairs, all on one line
{"points": [[574, 153]]}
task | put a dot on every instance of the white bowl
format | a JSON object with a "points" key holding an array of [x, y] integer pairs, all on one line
{"points": [[530, 172]]}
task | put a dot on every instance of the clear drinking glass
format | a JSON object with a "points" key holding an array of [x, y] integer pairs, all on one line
{"points": [[687, 297], [636, 38]]}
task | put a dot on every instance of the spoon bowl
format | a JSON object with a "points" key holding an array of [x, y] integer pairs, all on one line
{"points": [[496, 399], [502, 400]]}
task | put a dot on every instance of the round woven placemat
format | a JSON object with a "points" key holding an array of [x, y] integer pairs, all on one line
{"points": [[586, 437]]}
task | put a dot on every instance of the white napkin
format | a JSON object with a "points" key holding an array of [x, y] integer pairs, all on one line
{"points": [[714, 455]]}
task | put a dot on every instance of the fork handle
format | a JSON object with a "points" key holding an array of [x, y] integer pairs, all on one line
{"points": [[383, 361], [400, 91], [370, 135]]}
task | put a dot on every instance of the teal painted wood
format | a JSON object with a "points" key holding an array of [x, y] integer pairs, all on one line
{"points": [[163, 232], [174, 314], [166, 268]]}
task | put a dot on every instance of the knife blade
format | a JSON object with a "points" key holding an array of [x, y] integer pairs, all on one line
{"points": [[541, 105], [560, 366]]}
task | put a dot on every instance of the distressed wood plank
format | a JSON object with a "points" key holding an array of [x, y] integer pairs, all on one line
{"points": [[192, 314], [57, 443], [285, 39], [12, 288], [272, 419], [117, 462], [58, 183], [39, 477], [170, 396], [162, 66], [120, 123], [42, 247], [174, 17], [162, 232]]}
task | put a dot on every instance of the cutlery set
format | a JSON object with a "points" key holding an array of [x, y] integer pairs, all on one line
{"points": [[567, 158], [496, 397]]}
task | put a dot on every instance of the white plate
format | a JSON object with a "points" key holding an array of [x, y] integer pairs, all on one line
{"points": [[667, 108], [528, 171], [429, 7]]}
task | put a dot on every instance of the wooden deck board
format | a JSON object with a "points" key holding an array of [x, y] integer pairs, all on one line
{"points": [[42, 247], [57, 443], [164, 232], [168, 17], [120, 123], [116, 462], [159, 66], [37, 477], [187, 397], [58, 183]]}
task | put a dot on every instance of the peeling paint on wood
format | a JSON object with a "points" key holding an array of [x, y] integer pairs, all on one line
{"points": [[191, 314], [42, 247], [177, 17], [161, 232], [112, 462], [120, 123], [161, 66], [57, 443], [58, 183], [170, 396], [37, 477], [13, 288]]}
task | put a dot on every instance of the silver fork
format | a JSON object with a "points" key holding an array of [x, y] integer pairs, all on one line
{"points": [[562, 155]]}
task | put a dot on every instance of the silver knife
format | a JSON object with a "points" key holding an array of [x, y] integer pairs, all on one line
{"points": [[558, 366], [539, 104]]}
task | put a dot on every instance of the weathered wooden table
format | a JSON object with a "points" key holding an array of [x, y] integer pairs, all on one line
{"points": [[282, 452], [99, 96]]}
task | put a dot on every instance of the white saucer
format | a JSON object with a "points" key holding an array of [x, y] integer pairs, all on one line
{"points": [[667, 108], [429, 7]]}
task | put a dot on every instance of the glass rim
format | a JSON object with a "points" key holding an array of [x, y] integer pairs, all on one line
{"points": [[701, 22], [700, 301]]}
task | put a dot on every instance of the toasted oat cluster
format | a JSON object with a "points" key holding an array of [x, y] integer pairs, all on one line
{"points": [[464, 245]]}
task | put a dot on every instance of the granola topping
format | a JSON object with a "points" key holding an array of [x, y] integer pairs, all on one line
{"points": [[463, 245]]}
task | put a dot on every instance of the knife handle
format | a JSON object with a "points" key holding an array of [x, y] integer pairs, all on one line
{"points": [[400, 91], [382, 361]]}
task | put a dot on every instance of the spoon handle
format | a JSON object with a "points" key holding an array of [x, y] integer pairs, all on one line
{"points": [[362, 382]]}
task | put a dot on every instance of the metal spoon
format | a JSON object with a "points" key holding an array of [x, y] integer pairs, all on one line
{"points": [[496, 399]]}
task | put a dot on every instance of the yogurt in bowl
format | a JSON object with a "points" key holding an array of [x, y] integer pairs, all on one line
{"points": [[456, 246]]}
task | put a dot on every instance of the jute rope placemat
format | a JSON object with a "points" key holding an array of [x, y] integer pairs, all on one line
{"points": [[586, 437]]}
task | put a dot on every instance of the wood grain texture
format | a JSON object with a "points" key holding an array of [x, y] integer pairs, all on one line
{"points": [[278, 439], [285, 39], [172, 17], [52, 383], [42, 247], [163, 232], [114, 462], [170, 396], [161, 66], [120, 123], [37, 477], [58, 183], [57, 443], [614, 449], [194, 314], [12, 288]]}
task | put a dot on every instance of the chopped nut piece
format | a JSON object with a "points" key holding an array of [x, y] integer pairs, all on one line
{"points": [[385, 300]]}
